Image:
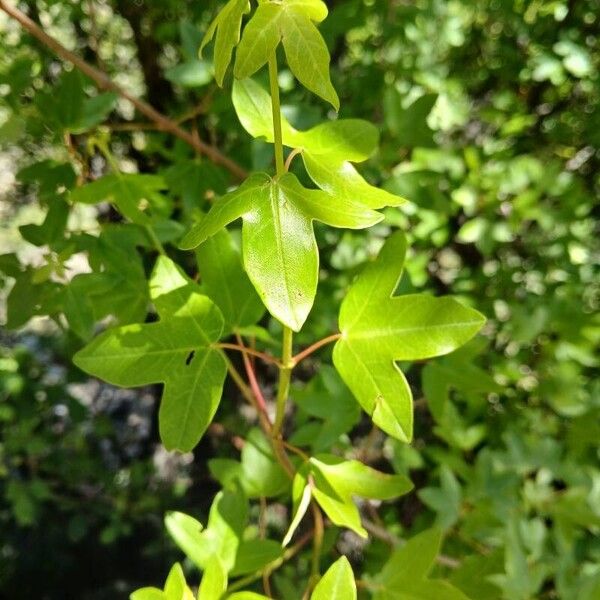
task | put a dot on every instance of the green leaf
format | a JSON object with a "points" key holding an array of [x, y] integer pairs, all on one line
{"points": [[94, 111], [187, 534], [77, 307], [221, 538], [305, 49], [338, 140], [307, 55], [261, 474], [279, 247], [176, 587], [147, 593], [326, 148], [335, 481], [128, 191], [379, 328], [260, 38], [53, 227], [337, 583], [314, 9], [409, 125], [404, 576], [343, 180], [177, 351], [254, 555], [227, 25], [190, 74], [225, 282], [327, 398], [247, 596], [214, 581], [445, 500], [68, 98], [302, 493]]}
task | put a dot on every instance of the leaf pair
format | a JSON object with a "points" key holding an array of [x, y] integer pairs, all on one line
{"points": [[328, 150], [279, 248], [378, 328]]}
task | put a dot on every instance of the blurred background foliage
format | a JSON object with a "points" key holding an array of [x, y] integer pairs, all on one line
{"points": [[489, 112]]}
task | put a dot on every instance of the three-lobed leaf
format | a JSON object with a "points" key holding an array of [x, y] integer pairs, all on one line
{"points": [[279, 247], [290, 23], [378, 328], [177, 351], [334, 482]]}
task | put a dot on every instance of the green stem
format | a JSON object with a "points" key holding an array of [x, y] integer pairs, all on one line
{"points": [[153, 237], [285, 376], [278, 138]]}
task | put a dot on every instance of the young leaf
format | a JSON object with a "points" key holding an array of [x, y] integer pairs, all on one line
{"points": [[301, 503], [337, 583], [214, 581], [343, 180], [176, 587], [335, 481], [177, 351], [279, 247], [222, 536], [225, 282], [305, 49], [307, 54], [379, 329], [326, 148], [147, 593], [404, 576], [187, 534], [342, 139], [260, 38], [314, 9], [227, 25]]}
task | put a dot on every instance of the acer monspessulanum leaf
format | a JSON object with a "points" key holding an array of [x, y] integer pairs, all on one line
{"points": [[278, 270]]}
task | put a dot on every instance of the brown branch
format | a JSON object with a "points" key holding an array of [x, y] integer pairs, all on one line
{"points": [[104, 82]]}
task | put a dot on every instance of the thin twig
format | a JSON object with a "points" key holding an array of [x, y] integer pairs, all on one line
{"points": [[287, 555], [240, 347], [106, 83], [290, 158], [302, 355]]}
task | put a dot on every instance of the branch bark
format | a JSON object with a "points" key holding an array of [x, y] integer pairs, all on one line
{"points": [[104, 82]]}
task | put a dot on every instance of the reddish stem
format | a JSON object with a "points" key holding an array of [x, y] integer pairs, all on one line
{"points": [[245, 350], [260, 399], [308, 351]]}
